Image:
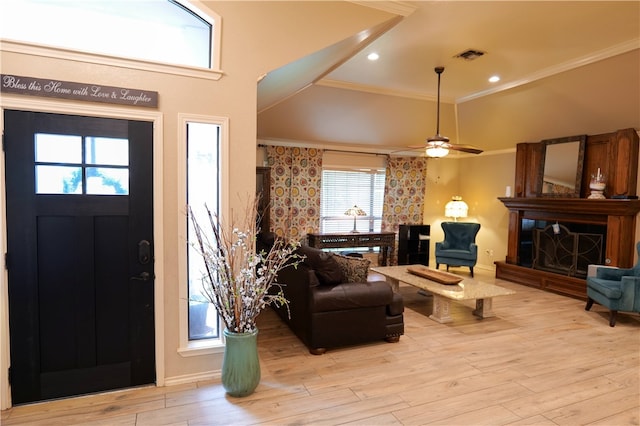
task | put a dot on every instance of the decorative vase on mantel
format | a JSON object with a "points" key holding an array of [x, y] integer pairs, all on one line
{"points": [[241, 364], [597, 186]]}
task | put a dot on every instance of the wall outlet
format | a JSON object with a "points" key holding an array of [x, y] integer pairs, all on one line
{"points": [[488, 252]]}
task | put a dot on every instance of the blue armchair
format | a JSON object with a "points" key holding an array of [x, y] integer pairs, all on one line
{"points": [[617, 289], [459, 246]]}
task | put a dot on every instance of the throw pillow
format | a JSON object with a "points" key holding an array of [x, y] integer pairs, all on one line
{"points": [[354, 269], [324, 264]]}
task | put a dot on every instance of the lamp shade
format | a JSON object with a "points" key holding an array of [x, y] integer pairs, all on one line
{"points": [[355, 211], [456, 208]]}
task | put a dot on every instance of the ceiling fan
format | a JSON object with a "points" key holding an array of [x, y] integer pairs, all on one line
{"points": [[438, 145]]}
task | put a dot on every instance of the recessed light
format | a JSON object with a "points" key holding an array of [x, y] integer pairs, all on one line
{"points": [[373, 56], [494, 79]]}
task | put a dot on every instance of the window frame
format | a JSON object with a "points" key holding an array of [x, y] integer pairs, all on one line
{"points": [[214, 71], [202, 346], [368, 209]]}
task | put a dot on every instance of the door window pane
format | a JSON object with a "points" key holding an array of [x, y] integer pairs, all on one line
{"points": [[58, 148], [107, 181], [107, 151], [57, 155], [58, 180]]}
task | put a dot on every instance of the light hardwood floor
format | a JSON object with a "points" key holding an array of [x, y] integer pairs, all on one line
{"points": [[543, 360]]}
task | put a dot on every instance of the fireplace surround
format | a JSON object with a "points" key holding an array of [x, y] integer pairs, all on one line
{"points": [[602, 231]]}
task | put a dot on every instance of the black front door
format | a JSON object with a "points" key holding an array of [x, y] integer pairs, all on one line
{"points": [[80, 254]]}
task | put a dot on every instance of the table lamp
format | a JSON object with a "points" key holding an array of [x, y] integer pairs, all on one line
{"points": [[355, 211]]}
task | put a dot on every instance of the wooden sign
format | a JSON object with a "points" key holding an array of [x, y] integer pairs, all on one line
{"points": [[79, 91]]}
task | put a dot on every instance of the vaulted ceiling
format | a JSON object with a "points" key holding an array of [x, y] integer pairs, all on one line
{"points": [[539, 49]]}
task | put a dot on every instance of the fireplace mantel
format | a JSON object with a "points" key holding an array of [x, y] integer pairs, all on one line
{"points": [[574, 206], [619, 217], [616, 155]]}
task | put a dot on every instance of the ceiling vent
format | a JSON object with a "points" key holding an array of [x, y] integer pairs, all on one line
{"points": [[470, 54]]}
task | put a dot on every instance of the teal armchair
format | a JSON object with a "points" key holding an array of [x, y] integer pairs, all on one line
{"points": [[459, 246], [617, 289]]}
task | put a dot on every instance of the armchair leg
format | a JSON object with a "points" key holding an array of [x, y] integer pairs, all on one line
{"points": [[471, 268], [447, 268], [437, 266], [589, 304], [612, 318]]}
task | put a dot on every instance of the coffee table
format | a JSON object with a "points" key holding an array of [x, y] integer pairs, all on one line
{"points": [[467, 289]]}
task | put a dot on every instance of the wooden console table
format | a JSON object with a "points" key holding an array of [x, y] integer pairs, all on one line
{"points": [[385, 240]]}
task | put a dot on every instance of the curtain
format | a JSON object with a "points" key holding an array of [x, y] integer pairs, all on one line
{"points": [[295, 190], [403, 195]]}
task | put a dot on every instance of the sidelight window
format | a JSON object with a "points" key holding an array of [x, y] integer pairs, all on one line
{"points": [[203, 179], [203, 167]]}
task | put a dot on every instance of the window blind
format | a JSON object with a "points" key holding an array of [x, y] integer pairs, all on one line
{"points": [[342, 189]]}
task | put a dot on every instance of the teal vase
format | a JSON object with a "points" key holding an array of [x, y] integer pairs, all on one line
{"points": [[240, 365]]}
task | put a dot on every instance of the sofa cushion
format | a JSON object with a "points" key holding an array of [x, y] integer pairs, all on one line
{"points": [[351, 296], [324, 264], [354, 269]]}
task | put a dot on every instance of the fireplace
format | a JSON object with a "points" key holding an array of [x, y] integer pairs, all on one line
{"points": [[552, 241], [559, 250], [598, 231]]}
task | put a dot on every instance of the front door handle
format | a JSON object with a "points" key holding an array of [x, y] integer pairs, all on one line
{"points": [[144, 276]]}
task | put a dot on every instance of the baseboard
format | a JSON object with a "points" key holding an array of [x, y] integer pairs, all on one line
{"points": [[489, 268], [191, 378]]}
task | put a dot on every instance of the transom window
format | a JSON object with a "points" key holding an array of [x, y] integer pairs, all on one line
{"points": [[70, 164], [167, 31], [341, 190]]}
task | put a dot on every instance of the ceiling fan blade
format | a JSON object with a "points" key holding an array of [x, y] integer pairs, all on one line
{"points": [[466, 148]]}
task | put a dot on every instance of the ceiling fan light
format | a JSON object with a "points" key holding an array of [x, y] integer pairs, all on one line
{"points": [[436, 151]]}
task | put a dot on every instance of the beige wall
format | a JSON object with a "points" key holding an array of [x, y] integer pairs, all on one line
{"points": [[173, 99], [479, 180], [250, 47]]}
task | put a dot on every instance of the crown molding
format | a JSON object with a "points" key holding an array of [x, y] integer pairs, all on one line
{"points": [[600, 55], [376, 150], [402, 8], [379, 90], [557, 69]]}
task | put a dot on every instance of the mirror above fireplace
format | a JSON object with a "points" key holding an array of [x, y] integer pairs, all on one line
{"points": [[561, 167]]}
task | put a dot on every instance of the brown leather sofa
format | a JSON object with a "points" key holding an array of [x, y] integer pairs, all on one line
{"points": [[327, 311]]}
